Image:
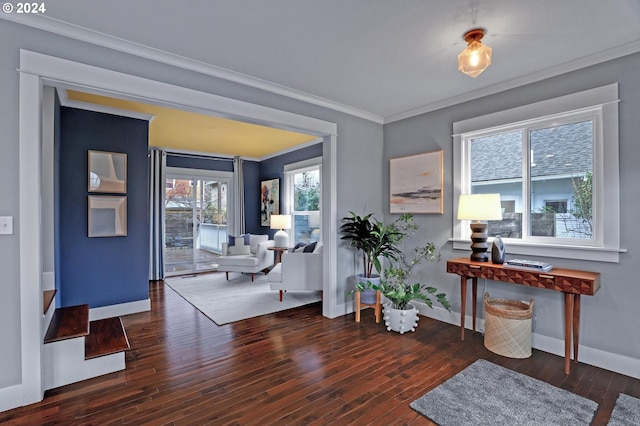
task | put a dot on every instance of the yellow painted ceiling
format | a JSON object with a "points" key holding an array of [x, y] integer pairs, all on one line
{"points": [[189, 131]]}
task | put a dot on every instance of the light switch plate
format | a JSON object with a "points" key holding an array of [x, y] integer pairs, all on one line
{"points": [[6, 225]]}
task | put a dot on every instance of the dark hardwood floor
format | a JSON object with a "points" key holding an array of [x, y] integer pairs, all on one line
{"points": [[292, 367]]}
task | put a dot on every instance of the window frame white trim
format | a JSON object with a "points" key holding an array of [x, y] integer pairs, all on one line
{"points": [[601, 100], [298, 167]]}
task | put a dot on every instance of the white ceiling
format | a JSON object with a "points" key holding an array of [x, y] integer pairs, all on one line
{"points": [[379, 59]]}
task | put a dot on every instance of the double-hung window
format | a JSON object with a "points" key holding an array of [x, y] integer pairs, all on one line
{"points": [[302, 199], [555, 166]]}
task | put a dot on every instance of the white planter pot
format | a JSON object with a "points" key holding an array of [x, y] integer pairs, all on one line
{"points": [[400, 320]]}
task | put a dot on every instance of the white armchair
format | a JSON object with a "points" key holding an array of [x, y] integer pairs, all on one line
{"points": [[244, 260], [297, 271]]}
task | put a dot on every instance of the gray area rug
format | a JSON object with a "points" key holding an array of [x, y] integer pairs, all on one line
{"points": [[487, 394], [626, 411], [237, 299]]}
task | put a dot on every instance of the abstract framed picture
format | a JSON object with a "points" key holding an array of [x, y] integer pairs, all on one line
{"points": [[269, 200], [107, 172], [416, 183], [107, 216]]}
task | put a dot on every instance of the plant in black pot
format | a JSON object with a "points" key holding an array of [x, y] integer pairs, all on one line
{"points": [[374, 240]]}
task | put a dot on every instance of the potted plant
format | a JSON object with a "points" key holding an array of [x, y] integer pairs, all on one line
{"points": [[374, 240], [399, 314]]}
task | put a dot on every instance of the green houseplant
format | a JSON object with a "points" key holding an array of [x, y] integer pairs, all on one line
{"points": [[373, 239], [396, 286]]}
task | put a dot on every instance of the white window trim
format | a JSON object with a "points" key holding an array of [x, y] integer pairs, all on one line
{"points": [[606, 246], [298, 167]]}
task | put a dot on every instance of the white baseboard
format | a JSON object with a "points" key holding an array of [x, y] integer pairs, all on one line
{"points": [[609, 361], [18, 396], [119, 309]]}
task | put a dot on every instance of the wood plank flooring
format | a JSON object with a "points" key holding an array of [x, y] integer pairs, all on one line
{"points": [[294, 367]]}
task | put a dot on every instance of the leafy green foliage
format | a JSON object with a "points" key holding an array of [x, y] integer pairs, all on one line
{"points": [[583, 202], [375, 240]]}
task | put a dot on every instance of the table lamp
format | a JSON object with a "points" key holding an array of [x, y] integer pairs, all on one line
{"points": [[281, 222], [477, 208]]}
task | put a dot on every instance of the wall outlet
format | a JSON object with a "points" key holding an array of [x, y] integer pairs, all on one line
{"points": [[6, 225]]}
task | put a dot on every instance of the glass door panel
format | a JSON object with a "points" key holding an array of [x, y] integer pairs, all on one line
{"points": [[195, 223], [211, 220], [178, 221]]}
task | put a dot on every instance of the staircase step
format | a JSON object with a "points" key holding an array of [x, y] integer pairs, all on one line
{"points": [[68, 323], [106, 337], [47, 298]]}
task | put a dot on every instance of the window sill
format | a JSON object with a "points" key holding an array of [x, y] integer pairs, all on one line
{"points": [[598, 254]]}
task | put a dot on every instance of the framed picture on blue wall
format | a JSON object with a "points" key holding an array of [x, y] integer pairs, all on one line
{"points": [[269, 200], [107, 172], [107, 216]]}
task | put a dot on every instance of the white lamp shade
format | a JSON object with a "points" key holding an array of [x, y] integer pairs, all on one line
{"points": [[280, 221], [479, 207]]}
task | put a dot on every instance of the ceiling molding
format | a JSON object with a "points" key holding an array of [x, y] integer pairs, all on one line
{"points": [[607, 55], [45, 23], [53, 25], [290, 149], [66, 102]]}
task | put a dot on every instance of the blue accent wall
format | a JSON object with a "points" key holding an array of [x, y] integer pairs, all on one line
{"points": [[252, 197], [107, 270], [273, 168]]}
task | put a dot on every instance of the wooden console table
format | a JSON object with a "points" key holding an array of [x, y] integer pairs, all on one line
{"points": [[570, 282]]}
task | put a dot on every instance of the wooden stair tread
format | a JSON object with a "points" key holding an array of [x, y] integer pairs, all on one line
{"points": [[47, 298], [106, 337], [68, 323]]}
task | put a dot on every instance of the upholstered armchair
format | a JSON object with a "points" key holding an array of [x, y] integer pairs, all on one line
{"points": [[246, 258], [297, 271]]}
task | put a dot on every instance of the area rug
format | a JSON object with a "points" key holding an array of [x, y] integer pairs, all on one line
{"points": [[626, 412], [487, 394], [237, 299]]}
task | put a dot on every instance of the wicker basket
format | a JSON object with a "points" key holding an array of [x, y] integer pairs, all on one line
{"points": [[507, 329]]}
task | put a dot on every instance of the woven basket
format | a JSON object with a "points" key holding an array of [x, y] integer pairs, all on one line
{"points": [[507, 330]]}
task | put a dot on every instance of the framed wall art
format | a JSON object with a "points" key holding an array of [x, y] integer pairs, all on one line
{"points": [[416, 183], [107, 172], [269, 200], [107, 216]]}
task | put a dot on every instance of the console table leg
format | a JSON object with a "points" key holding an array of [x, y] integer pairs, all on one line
{"points": [[568, 316], [474, 300], [576, 326], [463, 303]]}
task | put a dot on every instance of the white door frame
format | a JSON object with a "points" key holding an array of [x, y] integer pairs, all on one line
{"points": [[37, 70]]}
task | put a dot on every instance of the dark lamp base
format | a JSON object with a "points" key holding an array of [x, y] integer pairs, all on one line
{"points": [[479, 242]]}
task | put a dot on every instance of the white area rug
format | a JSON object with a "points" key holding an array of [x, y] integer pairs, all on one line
{"points": [[237, 299]]}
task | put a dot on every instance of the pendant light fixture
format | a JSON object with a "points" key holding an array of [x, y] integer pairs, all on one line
{"points": [[477, 56]]}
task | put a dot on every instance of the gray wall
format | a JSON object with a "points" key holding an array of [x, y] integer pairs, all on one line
{"points": [[359, 147], [609, 319]]}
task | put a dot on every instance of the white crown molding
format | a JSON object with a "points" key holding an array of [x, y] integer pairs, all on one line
{"points": [[86, 35], [66, 102], [607, 55], [291, 149], [53, 25]]}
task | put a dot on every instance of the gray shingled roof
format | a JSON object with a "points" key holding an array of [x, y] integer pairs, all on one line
{"points": [[562, 150]]}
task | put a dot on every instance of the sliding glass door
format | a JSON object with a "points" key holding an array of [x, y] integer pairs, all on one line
{"points": [[196, 209]]}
